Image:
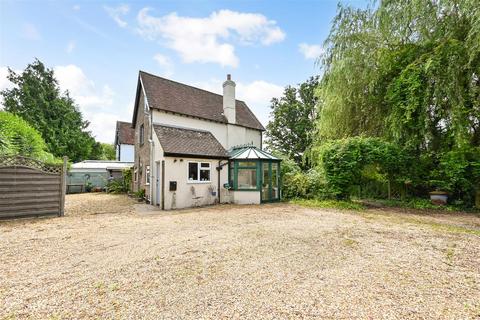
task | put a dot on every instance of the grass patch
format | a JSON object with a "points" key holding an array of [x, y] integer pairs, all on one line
{"points": [[332, 204], [421, 204]]}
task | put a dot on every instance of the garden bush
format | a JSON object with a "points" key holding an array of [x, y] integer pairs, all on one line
{"points": [[346, 162], [17, 137]]}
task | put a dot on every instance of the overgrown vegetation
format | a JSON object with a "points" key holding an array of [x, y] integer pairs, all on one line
{"points": [[122, 185], [398, 104], [17, 137]]}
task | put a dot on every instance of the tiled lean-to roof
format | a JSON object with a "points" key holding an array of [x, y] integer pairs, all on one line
{"points": [[177, 141], [171, 96]]}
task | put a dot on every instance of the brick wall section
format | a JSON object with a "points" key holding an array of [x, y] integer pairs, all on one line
{"points": [[142, 151]]}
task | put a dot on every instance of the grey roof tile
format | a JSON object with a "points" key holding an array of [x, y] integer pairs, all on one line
{"points": [[168, 95], [189, 142]]}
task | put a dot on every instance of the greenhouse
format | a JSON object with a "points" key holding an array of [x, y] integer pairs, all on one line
{"points": [[254, 170]]}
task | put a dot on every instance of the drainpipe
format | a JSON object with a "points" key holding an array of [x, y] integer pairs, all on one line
{"points": [[219, 168]]}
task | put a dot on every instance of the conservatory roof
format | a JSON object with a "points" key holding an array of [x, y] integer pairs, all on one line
{"points": [[250, 152]]}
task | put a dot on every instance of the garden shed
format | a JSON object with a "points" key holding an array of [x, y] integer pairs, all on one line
{"points": [[94, 174], [254, 171]]}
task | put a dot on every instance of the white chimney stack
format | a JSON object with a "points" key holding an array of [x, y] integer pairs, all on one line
{"points": [[229, 99]]}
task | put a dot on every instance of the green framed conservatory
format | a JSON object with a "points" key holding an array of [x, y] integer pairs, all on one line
{"points": [[250, 170]]}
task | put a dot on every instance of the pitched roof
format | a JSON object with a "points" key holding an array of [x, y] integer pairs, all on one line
{"points": [[124, 134], [177, 141], [250, 152], [168, 95]]}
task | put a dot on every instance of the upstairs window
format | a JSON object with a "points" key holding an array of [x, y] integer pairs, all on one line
{"points": [[199, 172]]}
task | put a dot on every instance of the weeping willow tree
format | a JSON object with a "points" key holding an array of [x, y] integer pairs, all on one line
{"points": [[404, 70], [408, 72]]}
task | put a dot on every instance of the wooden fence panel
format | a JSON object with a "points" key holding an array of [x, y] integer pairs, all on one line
{"points": [[31, 188]]}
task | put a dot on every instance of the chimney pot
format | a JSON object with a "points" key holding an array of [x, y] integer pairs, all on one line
{"points": [[229, 77]]}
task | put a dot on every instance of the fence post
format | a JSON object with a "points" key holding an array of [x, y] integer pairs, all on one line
{"points": [[63, 187]]}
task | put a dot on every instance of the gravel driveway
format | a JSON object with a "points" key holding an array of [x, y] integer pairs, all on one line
{"points": [[105, 260]]}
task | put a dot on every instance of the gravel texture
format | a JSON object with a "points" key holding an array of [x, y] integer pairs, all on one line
{"points": [[105, 260]]}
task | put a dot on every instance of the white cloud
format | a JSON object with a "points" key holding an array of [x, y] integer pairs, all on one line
{"points": [[311, 51], [70, 46], [117, 13], [4, 83], [76, 7], [30, 32], [165, 63], [257, 94], [209, 39]]}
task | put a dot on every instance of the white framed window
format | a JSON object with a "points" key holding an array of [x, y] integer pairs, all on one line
{"points": [[147, 174], [199, 171]]}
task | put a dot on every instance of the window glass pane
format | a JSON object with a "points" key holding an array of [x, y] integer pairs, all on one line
{"points": [[204, 174], [274, 180], [230, 181], [193, 171], [247, 179], [266, 182], [246, 164], [205, 165]]}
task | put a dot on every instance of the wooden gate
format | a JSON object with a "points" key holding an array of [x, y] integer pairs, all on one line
{"points": [[30, 187]]}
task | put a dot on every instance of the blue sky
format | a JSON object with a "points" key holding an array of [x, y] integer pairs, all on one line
{"points": [[96, 48]]}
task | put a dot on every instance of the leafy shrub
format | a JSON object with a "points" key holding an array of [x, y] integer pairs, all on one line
{"points": [[458, 172], [121, 185], [344, 162], [140, 194]]}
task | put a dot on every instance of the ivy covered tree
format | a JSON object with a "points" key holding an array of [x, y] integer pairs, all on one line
{"points": [[36, 97], [292, 127]]}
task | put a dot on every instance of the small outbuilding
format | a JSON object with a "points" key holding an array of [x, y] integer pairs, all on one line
{"points": [[94, 174]]}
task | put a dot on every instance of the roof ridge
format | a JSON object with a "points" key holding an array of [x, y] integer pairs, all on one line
{"points": [[186, 85]]}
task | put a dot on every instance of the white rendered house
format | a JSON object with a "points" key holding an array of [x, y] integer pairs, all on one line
{"points": [[124, 142], [194, 147]]}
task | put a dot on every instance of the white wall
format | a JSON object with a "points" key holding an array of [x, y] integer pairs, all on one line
{"points": [[246, 197], [127, 153], [176, 169], [228, 135]]}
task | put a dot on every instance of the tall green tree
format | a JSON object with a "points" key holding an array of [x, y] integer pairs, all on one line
{"points": [[103, 151], [406, 70], [294, 115], [36, 97]]}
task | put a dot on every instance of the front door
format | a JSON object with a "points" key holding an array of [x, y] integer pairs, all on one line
{"points": [[270, 178]]}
